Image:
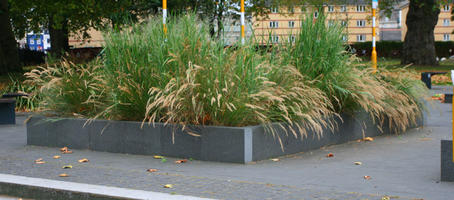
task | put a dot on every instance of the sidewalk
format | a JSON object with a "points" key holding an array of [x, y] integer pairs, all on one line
{"points": [[400, 166]]}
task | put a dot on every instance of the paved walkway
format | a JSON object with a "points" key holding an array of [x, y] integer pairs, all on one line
{"points": [[400, 166]]}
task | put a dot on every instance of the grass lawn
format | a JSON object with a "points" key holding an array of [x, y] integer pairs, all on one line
{"points": [[445, 66]]}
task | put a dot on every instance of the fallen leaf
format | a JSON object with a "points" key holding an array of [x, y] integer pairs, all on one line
{"points": [[65, 150], [358, 163], [367, 177], [358, 140], [368, 139], [329, 155], [168, 186], [67, 167], [56, 157], [40, 161], [385, 198], [275, 159], [163, 160], [63, 175], [83, 160], [152, 170], [181, 161], [425, 139], [158, 157]]}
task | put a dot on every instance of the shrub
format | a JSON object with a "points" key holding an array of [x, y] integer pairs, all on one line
{"points": [[24, 103], [69, 89], [187, 78], [319, 52]]}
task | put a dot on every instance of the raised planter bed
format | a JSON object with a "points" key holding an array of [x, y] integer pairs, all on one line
{"points": [[223, 144], [447, 163]]}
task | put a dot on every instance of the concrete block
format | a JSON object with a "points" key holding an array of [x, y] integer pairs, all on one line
{"points": [[447, 164]]}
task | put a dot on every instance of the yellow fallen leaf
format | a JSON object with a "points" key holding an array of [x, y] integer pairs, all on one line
{"points": [[152, 170], [358, 163], [63, 175], [275, 159], [56, 157], [368, 139], [39, 159], [67, 167], [385, 198], [367, 177], [83, 160], [158, 157], [168, 186]]}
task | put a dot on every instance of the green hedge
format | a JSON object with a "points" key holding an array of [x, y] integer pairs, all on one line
{"points": [[393, 49]]}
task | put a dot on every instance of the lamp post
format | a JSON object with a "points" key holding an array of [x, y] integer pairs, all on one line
{"points": [[374, 51], [242, 21], [164, 16]]}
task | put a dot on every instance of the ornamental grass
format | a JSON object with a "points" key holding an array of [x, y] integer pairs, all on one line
{"points": [[187, 78]]}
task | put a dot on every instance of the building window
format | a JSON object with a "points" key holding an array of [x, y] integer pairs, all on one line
{"points": [[330, 8], [344, 23], [446, 22], [291, 24], [291, 39], [292, 9], [316, 14], [446, 37], [343, 8], [361, 38], [274, 39], [446, 8], [360, 8], [361, 23], [274, 10], [274, 24], [330, 23], [345, 38]]}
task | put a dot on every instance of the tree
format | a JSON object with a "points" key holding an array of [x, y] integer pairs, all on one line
{"points": [[419, 44], [9, 57]]}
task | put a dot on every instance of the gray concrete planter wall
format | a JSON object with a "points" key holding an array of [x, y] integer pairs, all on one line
{"points": [[224, 144], [447, 163]]}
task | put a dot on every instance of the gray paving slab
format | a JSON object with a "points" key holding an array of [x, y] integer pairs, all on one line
{"points": [[52, 189], [401, 166]]}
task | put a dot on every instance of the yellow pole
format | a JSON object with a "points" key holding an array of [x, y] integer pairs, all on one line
{"points": [[374, 51], [164, 16], [242, 22]]}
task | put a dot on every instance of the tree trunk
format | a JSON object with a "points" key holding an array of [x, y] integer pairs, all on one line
{"points": [[59, 38], [419, 44], [9, 56]]}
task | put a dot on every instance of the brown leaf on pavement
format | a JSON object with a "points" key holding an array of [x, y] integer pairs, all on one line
{"points": [[152, 170], [83, 160], [67, 167], [40, 161], [329, 155], [368, 139], [358, 163], [56, 157], [63, 175], [168, 186], [367, 177], [181, 161], [65, 150], [275, 159]]}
